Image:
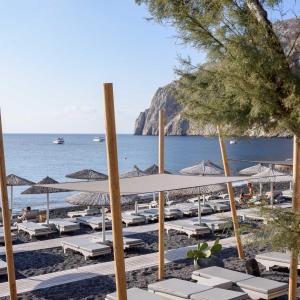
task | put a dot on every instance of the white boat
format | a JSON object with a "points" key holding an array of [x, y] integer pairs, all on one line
{"points": [[98, 139], [60, 140], [232, 142]]}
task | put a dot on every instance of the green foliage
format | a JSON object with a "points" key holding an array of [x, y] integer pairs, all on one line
{"points": [[203, 251], [281, 231], [247, 83]]}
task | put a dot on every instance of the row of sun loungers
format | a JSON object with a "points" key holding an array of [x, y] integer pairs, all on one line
{"points": [[81, 213], [212, 283], [35, 229], [94, 246]]}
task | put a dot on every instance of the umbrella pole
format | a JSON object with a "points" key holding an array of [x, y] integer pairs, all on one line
{"points": [[6, 223], [161, 230], [272, 194], [231, 197], [296, 206], [199, 209], [136, 208], [47, 213], [260, 188], [11, 201], [114, 191], [103, 224]]}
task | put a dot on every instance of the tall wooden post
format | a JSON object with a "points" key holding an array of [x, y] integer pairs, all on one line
{"points": [[161, 230], [6, 223], [114, 191], [231, 197], [296, 207]]}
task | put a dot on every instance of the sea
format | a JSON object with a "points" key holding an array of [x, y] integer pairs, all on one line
{"points": [[34, 156]]}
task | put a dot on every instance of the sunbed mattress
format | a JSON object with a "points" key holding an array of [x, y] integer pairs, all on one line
{"points": [[136, 294]]}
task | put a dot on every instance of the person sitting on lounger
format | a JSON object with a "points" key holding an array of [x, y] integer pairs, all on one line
{"points": [[25, 213], [244, 197]]}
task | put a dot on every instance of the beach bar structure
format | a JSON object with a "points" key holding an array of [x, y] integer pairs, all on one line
{"points": [[116, 187]]}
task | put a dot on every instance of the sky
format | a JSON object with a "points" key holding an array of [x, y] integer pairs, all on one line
{"points": [[56, 54]]}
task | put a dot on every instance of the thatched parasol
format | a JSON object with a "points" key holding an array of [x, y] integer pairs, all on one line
{"points": [[88, 174], [14, 180], [204, 167], [154, 169], [135, 172], [253, 170], [44, 190]]}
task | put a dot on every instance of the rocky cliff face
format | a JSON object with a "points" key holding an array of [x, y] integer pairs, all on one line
{"points": [[176, 124]]}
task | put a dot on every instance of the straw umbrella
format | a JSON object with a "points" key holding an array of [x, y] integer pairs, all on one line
{"points": [[135, 172], [91, 199], [271, 176], [87, 174], [44, 190], [256, 169], [14, 180], [204, 167], [154, 169]]}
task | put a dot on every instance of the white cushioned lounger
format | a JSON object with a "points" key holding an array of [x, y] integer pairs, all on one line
{"points": [[93, 221], [216, 206], [187, 227], [131, 218], [188, 209], [86, 247], [255, 287], [35, 229], [173, 213], [271, 259], [64, 225], [150, 214], [136, 294], [181, 289], [82, 213], [214, 224], [3, 267], [128, 242]]}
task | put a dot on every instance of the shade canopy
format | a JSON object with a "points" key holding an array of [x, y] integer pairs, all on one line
{"points": [[271, 175], [14, 180], [154, 169], [88, 174], [204, 167], [88, 199], [147, 184], [135, 172], [253, 170], [40, 189]]}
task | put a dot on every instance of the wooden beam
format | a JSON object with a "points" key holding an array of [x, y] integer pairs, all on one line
{"points": [[6, 222], [161, 229], [296, 207], [231, 197], [114, 191]]}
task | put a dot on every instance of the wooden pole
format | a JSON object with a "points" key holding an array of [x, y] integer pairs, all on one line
{"points": [[114, 191], [6, 223], [231, 197], [161, 230], [296, 207]]}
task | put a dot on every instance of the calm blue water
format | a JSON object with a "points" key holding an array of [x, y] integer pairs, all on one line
{"points": [[33, 156]]}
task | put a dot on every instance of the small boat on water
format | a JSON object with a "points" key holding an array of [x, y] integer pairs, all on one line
{"points": [[98, 139], [232, 142], [59, 141]]}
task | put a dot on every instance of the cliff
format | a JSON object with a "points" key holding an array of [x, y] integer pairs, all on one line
{"points": [[176, 124]]}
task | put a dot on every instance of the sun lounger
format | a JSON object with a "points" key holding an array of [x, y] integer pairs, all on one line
{"points": [[215, 224], [181, 289], [35, 229], [255, 287], [287, 194], [188, 209], [3, 267], [150, 214], [131, 218], [271, 259], [136, 294], [64, 225], [93, 221], [86, 247], [219, 206], [81, 213], [187, 227], [173, 213], [127, 242]]}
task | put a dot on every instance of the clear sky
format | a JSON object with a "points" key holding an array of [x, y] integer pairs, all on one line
{"points": [[55, 55]]}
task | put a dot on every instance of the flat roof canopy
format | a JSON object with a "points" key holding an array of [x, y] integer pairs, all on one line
{"points": [[147, 184]]}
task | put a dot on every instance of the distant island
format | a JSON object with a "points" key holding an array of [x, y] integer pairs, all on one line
{"points": [[177, 124]]}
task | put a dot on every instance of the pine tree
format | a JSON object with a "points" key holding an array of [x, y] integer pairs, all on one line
{"points": [[248, 82]]}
